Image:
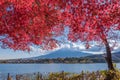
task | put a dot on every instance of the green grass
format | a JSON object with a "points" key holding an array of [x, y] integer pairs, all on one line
{"points": [[98, 75]]}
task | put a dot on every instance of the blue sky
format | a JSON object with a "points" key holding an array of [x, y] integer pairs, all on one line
{"points": [[94, 49], [11, 54]]}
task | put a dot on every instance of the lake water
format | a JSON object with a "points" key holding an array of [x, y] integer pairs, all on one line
{"points": [[46, 68]]}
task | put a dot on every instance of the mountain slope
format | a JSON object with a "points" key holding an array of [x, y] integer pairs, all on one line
{"points": [[63, 53], [115, 56]]}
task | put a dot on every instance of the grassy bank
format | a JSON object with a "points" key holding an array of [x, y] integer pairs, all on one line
{"points": [[98, 75]]}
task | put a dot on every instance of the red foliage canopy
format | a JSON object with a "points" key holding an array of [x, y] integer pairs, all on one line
{"points": [[29, 22], [93, 19], [34, 22]]}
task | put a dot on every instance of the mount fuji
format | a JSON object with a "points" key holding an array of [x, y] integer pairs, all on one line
{"points": [[63, 53]]}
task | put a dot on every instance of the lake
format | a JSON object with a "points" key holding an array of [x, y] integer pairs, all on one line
{"points": [[46, 68]]}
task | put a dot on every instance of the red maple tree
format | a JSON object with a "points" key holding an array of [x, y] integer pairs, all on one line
{"points": [[34, 22], [94, 20]]}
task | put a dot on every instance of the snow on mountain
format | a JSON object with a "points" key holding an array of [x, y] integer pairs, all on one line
{"points": [[64, 52]]}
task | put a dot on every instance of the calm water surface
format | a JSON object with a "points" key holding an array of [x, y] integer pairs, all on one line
{"points": [[46, 68]]}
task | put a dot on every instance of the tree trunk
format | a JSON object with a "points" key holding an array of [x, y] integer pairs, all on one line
{"points": [[108, 56]]}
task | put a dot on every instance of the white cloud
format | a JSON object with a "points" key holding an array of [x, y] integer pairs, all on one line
{"points": [[35, 49], [94, 49]]}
